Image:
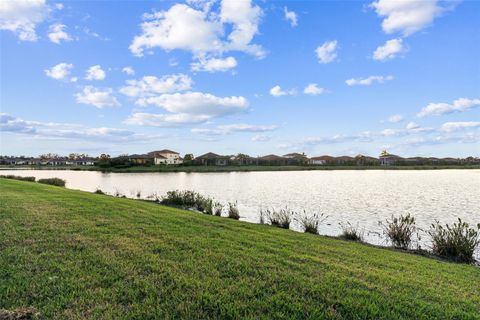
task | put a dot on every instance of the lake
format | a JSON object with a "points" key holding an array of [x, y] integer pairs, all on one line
{"points": [[362, 197]]}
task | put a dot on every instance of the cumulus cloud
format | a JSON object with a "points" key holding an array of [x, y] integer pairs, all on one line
{"points": [[99, 98], [395, 118], [291, 17], [277, 91], [95, 73], [368, 81], [187, 108], [459, 105], [150, 85], [214, 64], [455, 126], [412, 126], [22, 17], [67, 131], [327, 52], [231, 128], [129, 71], [201, 31], [391, 49], [57, 33], [313, 89], [409, 16], [59, 71]]}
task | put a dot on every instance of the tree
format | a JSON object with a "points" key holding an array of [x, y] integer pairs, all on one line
{"points": [[188, 157]]}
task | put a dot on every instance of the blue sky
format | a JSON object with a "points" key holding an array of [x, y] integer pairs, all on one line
{"points": [[323, 77]]}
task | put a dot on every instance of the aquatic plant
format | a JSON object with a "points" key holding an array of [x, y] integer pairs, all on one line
{"points": [[217, 209], [10, 176], [233, 212], [53, 181], [99, 191], [281, 218], [400, 231], [457, 242], [310, 223], [350, 232]]}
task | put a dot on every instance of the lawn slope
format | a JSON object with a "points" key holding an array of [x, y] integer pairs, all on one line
{"points": [[75, 255]]}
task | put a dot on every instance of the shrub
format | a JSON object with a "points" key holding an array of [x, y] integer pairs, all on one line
{"points": [[10, 176], [456, 242], [350, 232], [281, 218], [217, 209], [53, 181], [233, 212], [400, 231], [99, 191], [311, 223]]}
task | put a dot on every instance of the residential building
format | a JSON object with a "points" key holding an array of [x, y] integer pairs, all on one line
{"points": [[166, 157], [387, 159], [212, 159]]}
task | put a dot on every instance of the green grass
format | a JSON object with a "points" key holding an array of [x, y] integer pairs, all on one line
{"points": [[181, 168], [76, 255]]}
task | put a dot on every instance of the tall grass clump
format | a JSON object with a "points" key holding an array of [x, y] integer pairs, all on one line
{"points": [[457, 242], [233, 212], [281, 218], [311, 223], [53, 181], [99, 191], [351, 232], [10, 176], [217, 209], [189, 199], [400, 231]]}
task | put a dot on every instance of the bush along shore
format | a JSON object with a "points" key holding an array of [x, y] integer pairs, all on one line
{"points": [[456, 242], [69, 254]]}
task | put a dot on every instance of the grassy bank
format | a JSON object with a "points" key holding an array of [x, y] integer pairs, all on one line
{"points": [[180, 168], [76, 255]]}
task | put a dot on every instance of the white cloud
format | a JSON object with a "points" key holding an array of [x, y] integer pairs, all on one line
{"points": [[459, 105], [454, 126], [99, 98], [201, 31], [313, 89], [59, 71], [391, 49], [129, 71], [189, 107], [395, 118], [408, 16], [231, 128], [68, 131], [291, 17], [95, 73], [150, 85], [22, 17], [57, 33], [164, 120], [277, 91], [261, 138], [412, 126], [214, 64], [326, 53], [368, 81]]}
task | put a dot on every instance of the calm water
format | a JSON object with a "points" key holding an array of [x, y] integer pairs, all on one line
{"points": [[361, 197]]}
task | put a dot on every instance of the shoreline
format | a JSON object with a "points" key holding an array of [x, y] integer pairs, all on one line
{"points": [[139, 169]]}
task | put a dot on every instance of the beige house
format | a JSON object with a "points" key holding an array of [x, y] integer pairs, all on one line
{"points": [[166, 157]]}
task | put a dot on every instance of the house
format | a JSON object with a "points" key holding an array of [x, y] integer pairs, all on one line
{"points": [[362, 160], [244, 160], [296, 158], [273, 160], [387, 159], [212, 159], [344, 160], [322, 160], [140, 159], [165, 157]]}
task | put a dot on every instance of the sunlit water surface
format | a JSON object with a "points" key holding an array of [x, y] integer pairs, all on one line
{"points": [[361, 197]]}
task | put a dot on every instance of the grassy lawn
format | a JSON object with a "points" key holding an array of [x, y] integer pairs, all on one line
{"points": [[75, 255]]}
